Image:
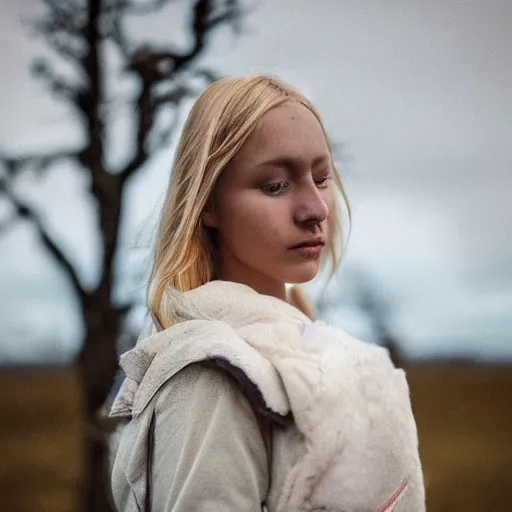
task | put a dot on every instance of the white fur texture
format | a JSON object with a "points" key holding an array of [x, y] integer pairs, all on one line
{"points": [[349, 403]]}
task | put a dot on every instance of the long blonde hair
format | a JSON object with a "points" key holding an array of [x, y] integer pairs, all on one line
{"points": [[220, 121]]}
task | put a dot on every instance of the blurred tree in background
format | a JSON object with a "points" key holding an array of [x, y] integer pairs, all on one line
{"points": [[83, 36], [359, 290]]}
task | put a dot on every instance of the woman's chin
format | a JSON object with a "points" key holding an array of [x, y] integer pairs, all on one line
{"points": [[303, 273]]}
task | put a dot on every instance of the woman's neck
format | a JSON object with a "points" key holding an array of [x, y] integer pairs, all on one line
{"points": [[258, 283]]}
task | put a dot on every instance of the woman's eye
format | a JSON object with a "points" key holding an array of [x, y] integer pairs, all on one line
{"points": [[276, 188], [324, 182]]}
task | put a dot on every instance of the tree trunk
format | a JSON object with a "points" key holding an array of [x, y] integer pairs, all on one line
{"points": [[96, 494], [97, 366]]}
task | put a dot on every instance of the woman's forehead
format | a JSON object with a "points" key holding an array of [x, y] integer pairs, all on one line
{"points": [[287, 133]]}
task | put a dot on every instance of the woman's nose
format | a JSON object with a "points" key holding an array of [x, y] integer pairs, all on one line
{"points": [[311, 207]]}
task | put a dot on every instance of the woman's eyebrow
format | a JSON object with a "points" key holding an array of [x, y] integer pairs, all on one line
{"points": [[289, 162]]}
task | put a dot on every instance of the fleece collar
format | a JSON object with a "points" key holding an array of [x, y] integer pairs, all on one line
{"points": [[210, 319]]}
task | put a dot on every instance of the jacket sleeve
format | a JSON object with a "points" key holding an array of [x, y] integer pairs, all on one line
{"points": [[209, 452]]}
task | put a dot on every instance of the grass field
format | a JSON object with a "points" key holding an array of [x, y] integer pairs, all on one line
{"points": [[464, 416], [39, 440]]}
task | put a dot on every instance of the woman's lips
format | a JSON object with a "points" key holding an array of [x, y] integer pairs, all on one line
{"points": [[309, 250]]}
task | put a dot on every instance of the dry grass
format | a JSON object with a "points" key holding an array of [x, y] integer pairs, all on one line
{"points": [[40, 440], [464, 416]]}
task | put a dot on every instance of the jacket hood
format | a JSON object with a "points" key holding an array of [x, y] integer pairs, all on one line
{"points": [[209, 321], [236, 304]]}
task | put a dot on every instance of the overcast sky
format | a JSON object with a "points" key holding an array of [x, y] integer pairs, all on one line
{"points": [[419, 93]]}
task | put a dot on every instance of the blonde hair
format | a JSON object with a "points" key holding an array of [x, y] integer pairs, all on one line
{"points": [[220, 121]]}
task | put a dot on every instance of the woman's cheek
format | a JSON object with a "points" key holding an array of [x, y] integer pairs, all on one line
{"points": [[328, 197]]}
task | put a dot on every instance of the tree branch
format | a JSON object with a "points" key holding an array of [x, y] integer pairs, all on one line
{"points": [[64, 20], [66, 16], [117, 10], [25, 212], [118, 35], [145, 8], [154, 66], [173, 97], [207, 74], [57, 84], [157, 65], [69, 50], [146, 111], [40, 163], [90, 98]]}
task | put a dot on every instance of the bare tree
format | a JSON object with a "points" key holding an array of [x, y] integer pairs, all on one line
{"points": [[364, 294], [79, 32]]}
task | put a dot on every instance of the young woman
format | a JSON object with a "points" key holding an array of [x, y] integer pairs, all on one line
{"points": [[236, 399]]}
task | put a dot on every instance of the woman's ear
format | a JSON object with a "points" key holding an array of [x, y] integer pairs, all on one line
{"points": [[210, 218]]}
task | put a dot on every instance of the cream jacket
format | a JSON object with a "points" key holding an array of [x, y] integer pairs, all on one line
{"points": [[245, 404]]}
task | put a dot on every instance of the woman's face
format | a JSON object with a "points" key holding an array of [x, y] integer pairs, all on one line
{"points": [[272, 202]]}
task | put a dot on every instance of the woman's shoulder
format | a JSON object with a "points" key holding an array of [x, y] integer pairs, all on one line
{"points": [[206, 349], [198, 421], [217, 381], [199, 385]]}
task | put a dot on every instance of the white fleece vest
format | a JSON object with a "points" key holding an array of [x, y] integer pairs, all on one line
{"points": [[347, 400]]}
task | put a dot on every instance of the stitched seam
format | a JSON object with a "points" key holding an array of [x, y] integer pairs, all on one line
{"points": [[395, 497]]}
